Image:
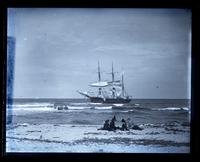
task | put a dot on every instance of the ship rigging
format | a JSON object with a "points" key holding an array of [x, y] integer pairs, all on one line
{"points": [[108, 91]]}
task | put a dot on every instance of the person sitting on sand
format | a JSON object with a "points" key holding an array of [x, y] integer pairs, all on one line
{"points": [[124, 125], [136, 127], [129, 124], [106, 125]]}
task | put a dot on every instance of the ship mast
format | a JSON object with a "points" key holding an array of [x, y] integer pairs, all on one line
{"points": [[123, 91], [113, 80], [99, 73], [113, 75], [99, 77]]}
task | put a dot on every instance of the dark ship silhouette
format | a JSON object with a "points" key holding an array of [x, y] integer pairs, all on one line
{"points": [[108, 91]]}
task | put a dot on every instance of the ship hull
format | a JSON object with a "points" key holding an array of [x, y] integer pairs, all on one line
{"points": [[109, 100]]}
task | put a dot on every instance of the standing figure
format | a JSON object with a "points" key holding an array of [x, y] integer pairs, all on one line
{"points": [[112, 124]]}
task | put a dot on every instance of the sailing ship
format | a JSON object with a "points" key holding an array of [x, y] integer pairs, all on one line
{"points": [[108, 91]]}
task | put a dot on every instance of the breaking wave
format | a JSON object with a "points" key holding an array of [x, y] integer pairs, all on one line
{"points": [[78, 104], [103, 108], [171, 109], [31, 105], [32, 109], [95, 103], [77, 107], [118, 105]]}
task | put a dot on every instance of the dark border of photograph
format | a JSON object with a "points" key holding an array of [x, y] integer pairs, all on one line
{"points": [[194, 145]]}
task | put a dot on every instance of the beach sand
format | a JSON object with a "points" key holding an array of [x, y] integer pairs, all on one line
{"points": [[86, 138]]}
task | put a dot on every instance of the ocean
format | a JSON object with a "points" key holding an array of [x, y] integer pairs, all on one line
{"points": [[37, 126]]}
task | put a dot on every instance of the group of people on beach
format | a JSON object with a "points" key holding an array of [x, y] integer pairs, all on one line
{"points": [[126, 125], [112, 127]]}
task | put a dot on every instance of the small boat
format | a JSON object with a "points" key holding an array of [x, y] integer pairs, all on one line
{"points": [[60, 106]]}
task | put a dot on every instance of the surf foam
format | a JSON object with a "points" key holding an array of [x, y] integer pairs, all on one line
{"points": [[103, 108], [78, 107], [171, 109]]}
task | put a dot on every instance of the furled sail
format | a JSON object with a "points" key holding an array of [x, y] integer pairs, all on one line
{"points": [[115, 83], [99, 84]]}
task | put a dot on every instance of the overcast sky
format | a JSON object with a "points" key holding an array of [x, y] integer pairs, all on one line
{"points": [[57, 50]]}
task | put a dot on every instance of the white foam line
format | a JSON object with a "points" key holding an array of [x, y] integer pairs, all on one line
{"points": [[118, 105], [95, 103], [106, 107], [30, 105], [77, 107], [32, 109], [171, 108]]}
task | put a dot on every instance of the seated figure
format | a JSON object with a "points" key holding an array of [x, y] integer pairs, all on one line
{"points": [[106, 125], [124, 125]]}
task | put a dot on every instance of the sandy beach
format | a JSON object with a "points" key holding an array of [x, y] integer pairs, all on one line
{"points": [[86, 138]]}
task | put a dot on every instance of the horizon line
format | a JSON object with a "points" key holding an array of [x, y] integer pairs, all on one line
{"points": [[86, 98]]}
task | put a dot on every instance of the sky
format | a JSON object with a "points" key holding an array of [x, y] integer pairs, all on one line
{"points": [[58, 49]]}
